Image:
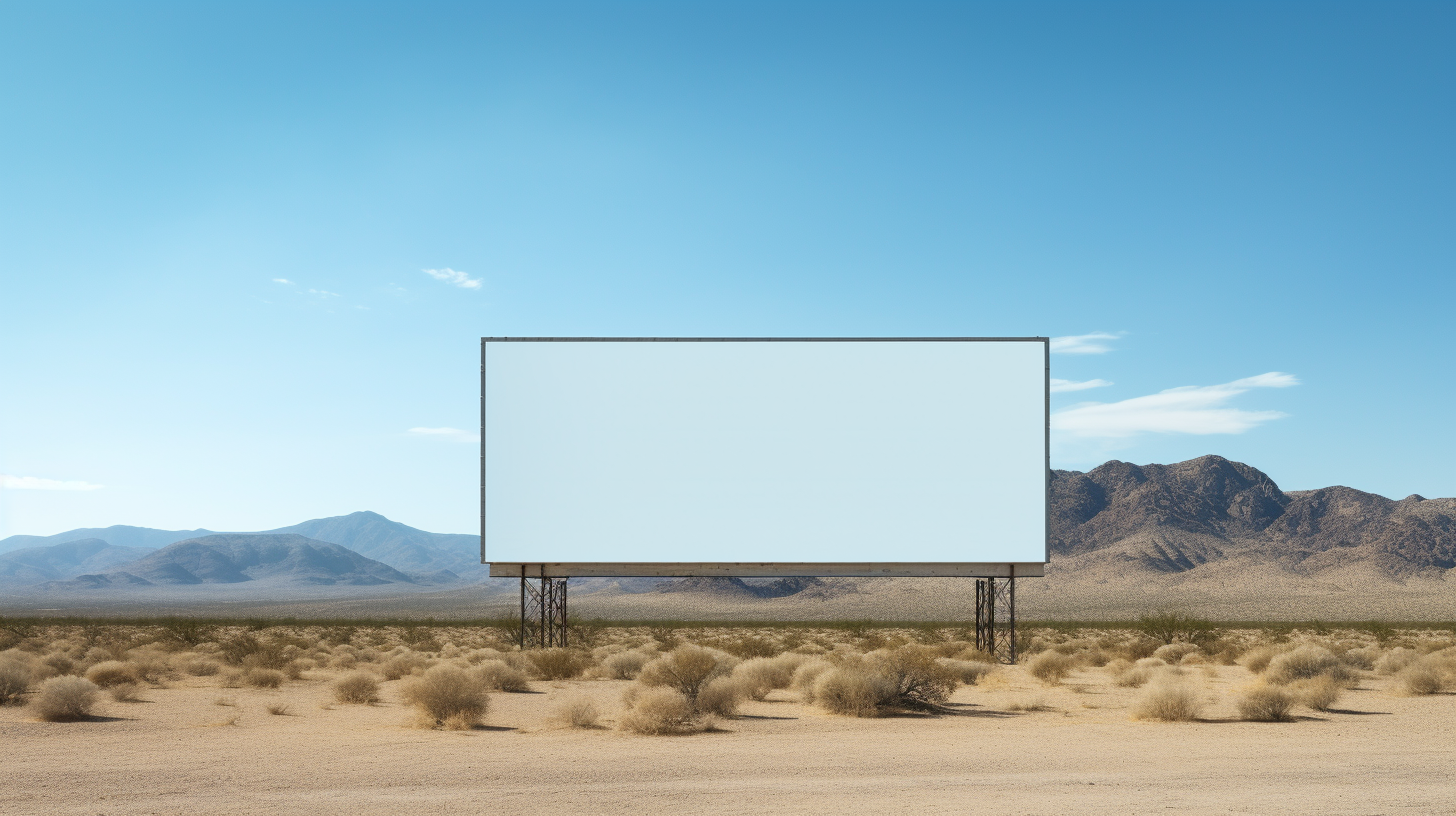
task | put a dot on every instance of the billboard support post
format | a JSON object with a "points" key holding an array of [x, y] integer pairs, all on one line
{"points": [[996, 599], [543, 612]]}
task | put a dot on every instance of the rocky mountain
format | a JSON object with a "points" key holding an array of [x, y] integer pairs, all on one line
{"points": [[238, 558], [60, 561], [1174, 518]]}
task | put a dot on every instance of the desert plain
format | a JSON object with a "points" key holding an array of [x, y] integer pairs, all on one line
{"points": [[205, 726]]}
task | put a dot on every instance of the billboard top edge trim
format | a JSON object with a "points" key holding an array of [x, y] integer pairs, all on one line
{"points": [[764, 339]]}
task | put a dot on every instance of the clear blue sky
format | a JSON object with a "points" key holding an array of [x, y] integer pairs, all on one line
{"points": [[216, 221]]}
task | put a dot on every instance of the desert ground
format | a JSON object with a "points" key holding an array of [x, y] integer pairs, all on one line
{"points": [[249, 719]]}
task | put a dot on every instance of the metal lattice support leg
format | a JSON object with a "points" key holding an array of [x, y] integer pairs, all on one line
{"points": [[543, 612], [996, 617]]}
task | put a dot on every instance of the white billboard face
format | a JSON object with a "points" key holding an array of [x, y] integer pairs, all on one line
{"points": [[770, 452]]}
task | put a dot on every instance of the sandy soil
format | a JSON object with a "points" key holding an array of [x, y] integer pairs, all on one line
{"points": [[1379, 753]]}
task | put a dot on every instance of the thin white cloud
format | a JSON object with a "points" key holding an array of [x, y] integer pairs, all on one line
{"points": [[1094, 343], [450, 276], [1059, 386], [1190, 409], [284, 281], [450, 434], [323, 293], [37, 483]]}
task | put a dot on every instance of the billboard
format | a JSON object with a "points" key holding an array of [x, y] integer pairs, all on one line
{"points": [[764, 456]]}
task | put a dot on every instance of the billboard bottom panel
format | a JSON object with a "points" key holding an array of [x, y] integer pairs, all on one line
{"points": [[766, 570]]}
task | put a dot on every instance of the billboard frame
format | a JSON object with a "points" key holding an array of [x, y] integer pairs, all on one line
{"points": [[547, 569]]}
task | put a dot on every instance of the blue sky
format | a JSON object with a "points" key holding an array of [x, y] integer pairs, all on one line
{"points": [[219, 222]]}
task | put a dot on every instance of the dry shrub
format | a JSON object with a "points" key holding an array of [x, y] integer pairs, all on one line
{"points": [[14, 680], [722, 696], [1168, 699], [263, 678], [498, 675], [1395, 660], [626, 665], [65, 699], [1137, 674], [230, 678], [919, 682], [1051, 666], [1363, 657], [806, 675], [1304, 663], [359, 687], [557, 663], [1174, 652], [1257, 660], [663, 710], [347, 660], [200, 667], [853, 689], [1421, 677], [278, 709], [1265, 703], [1318, 693], [402, 665], [686, 669], [448, 697], [761, 675], [60, 663], [579, 713], [125, 692], [112, 673], [968, 672]]}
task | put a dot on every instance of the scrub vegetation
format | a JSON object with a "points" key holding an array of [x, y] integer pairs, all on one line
{"points": [[681, 678]]}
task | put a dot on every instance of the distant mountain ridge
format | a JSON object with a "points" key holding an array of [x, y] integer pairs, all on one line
{"points": [[436, 557], [238, 558]]}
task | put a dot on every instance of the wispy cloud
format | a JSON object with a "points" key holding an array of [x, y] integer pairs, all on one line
{"points": [[1071, 385], [1094, 343], [449, 434], [1190, 409], [284, 281], [323, 293], [450, 276], [37, 483]]}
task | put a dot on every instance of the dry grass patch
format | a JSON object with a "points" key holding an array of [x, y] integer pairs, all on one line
{"points": [[360, 688], [447, 697], [65, 699], [278, 709]]}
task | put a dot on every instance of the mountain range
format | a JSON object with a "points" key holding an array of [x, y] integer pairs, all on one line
{"points": [[1217, 534]]}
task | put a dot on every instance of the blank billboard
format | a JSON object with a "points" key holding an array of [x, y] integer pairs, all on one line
{"points": [[805, 456]]}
